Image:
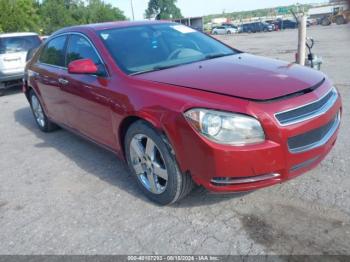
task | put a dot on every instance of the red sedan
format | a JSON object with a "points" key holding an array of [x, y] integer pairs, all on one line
{"points": [[183, 108]]}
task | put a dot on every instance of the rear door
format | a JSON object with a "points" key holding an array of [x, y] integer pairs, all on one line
{"points": [[88, 98], [48, 74]]}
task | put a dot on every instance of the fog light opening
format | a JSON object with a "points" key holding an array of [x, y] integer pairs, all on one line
{"points": [[243, 180]]}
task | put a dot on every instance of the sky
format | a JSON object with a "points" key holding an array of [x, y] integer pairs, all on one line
{"points": [[205, 7]]}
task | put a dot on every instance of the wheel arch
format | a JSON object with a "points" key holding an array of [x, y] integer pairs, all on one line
{"points": [[129, 120], [27, 90]]}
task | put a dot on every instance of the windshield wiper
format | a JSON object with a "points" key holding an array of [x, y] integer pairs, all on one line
{"points": [[155, 68], [217, 55]]}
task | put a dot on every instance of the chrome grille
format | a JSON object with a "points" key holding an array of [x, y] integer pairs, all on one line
{"points": [[308, 111], [314, 138]]}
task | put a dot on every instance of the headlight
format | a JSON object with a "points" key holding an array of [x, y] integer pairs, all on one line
{"points": [[226, 128]]}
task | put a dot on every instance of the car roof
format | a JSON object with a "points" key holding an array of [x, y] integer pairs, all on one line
{"points": [[111, 25], [17, 34]]}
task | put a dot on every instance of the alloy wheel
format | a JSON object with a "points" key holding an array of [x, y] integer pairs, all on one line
{"points": [[38, 111], [148, 164]]}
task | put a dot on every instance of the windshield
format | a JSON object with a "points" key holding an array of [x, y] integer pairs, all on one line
{"points": [[146, 48], [18, 44]]}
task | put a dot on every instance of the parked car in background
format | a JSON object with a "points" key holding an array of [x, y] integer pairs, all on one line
{"points": [[249, 28], [257, 27], [229, 25], [181, 107], [224, 30], [266, 27], [273, 26], [286, 24], [44, 37], [13, 54]]}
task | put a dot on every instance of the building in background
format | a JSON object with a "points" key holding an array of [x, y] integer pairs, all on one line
{"points": [[321, 11], [194, 22]]}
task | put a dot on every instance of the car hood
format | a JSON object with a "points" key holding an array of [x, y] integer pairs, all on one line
{"points": [[242, 75]]}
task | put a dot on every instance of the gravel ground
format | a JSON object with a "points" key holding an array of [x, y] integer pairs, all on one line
{"points": [[62, 195]]}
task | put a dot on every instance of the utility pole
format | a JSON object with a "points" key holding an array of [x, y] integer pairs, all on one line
{"points": [[132, 10], [302, 40]]}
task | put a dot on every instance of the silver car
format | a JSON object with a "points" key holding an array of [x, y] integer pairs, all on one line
{"points": [[224, 30], [14, 48]]}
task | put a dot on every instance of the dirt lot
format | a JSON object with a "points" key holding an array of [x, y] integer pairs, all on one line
{"points": [[62, 195]]}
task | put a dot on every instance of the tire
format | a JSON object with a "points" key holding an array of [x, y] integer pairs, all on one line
{"points": [[325, 21], [40, 117], [229, 32], [167, 189], [340, 20]]}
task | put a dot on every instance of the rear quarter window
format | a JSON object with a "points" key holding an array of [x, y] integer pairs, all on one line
{"points": [[53, 52]]}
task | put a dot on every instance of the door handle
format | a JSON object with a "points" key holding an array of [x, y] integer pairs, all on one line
{"points": [[63, 81]]}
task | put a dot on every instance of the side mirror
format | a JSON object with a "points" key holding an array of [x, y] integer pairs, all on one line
{"points": [[82, 66]]}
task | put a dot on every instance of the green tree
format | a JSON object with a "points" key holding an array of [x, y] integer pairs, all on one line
{"points": [[163, 9], [18, 15], [56, 14], [97, 12]]}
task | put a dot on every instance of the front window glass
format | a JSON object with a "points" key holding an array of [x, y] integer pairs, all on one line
{"points": [[140, 49], [80, 48], [18, 44]]}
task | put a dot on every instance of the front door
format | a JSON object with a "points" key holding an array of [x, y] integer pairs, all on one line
{"points": [[88, 103]]}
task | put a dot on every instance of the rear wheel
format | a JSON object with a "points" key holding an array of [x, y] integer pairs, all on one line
{"points": [[40, 117], [153, 165]]}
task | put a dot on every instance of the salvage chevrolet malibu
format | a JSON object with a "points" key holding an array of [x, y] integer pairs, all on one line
{"points": [[183, 108]]}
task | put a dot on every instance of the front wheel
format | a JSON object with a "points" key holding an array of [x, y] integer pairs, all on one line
{"points": [[40, 117], [340, 20], [326, 21], [152, 163]]}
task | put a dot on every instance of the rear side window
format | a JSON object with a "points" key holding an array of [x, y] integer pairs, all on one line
{"points": [[80, 48], [53, 53], [18, 44]]}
